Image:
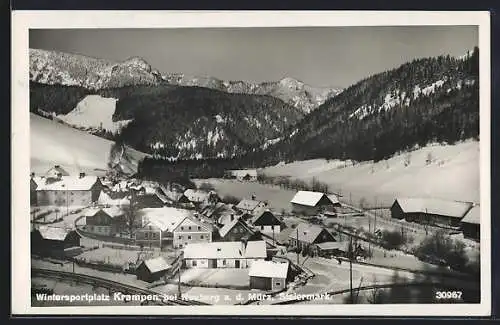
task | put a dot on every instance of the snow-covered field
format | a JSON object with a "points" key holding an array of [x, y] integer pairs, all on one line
{"points": [[94, 112], [452, 174], [214, 277], [54, 143]]}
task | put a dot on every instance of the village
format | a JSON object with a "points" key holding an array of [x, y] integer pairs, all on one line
{"points": [[194, 242]]}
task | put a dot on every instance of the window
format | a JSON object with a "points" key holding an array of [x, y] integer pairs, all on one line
{"points": [[199, 228], [189, 228], [182, 228], [194, 262], [223, 262], [180, 237], [261, 227], [153, 235], [189, 237], [278, 283], [201, 237], [146, 234]]}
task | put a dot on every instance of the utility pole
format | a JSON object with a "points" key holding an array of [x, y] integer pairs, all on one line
{"points": [[297, 246], [350, 268], [179, 262]]}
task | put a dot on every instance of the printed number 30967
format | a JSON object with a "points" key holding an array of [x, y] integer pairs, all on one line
{"points": [[448, 295]]}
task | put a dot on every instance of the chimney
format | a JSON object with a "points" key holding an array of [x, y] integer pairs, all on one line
{"points": [[253, 197], [57, 166], [32, 175], [82, 175]]}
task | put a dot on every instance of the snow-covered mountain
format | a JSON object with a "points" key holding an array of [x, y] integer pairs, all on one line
{"points": [[289, 90], [68, 69]]}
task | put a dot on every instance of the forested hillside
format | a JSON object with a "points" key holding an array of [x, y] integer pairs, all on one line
{"points": [[426, 100]]}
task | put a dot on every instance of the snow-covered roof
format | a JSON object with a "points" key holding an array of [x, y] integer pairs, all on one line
{"points": [[157, 264], [306, 232], [196, 195], [269, 269], [256, 218], [311, 199], [248, 205], [57, 170], [230, 225], [105, 199], [473, 216], [434, 206], [69, 183], [53, 233], [237, 249], [166, 219]]}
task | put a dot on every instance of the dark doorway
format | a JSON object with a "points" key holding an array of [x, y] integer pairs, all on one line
{"points": [[237, 264], [212, 264]]}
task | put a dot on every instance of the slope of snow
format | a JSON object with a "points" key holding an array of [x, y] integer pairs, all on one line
{"points": [[53, 143], [452, 174], [94, 112]]}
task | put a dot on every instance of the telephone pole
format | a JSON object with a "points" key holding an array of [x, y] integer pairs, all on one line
{"points": [[179, 293], [350, 267], [297, 229]]}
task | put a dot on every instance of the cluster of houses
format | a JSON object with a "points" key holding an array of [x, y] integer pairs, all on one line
{"points": [[207, 232], [447, 214]]}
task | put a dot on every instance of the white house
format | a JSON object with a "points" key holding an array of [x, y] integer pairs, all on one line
{"points": [[171, 225], [268, 275], [235, 254]]}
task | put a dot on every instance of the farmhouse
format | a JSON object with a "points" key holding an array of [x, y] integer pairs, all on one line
{"points": [[305, 235], [234, 254], [252, 206], [54, 241], [266, 222], [242, 174], [170, 225], [435, 212], [191, 230], [82, 190], [236, 230], [152, 269], [105, 221], [313, 203], [154, 200], [471, 227], [268, 275]]}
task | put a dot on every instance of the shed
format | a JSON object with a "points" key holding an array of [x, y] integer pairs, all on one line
{"points": [[327, 249], [54, 241], [305, 235], [152, 269], [268, 275]]}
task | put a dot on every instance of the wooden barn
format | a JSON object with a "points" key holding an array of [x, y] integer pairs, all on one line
{"points": [[80, 190], [313, 203], [152, 270], [435, 212], [268, 275], [330, 249], [471, 226], [54, 241], [305, 235]]}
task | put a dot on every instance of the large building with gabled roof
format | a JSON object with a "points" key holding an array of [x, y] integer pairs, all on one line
{"points": [[313, 203], [430, 211]]}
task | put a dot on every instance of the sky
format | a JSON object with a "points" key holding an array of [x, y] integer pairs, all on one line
{"points": [[318, 56]]}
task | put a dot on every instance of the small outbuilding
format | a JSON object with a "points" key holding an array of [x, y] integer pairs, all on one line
{"points": [[54, 241], [268, 275], [153, 269]]}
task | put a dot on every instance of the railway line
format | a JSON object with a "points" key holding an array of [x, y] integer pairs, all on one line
{"points": [[112, 286]]}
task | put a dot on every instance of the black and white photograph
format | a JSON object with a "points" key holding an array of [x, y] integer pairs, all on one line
{"points": [[326, 164]]}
